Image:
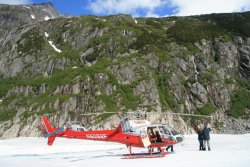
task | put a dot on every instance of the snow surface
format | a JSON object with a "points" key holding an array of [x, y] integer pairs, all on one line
{"points": [[46, 34], [27, 7], [195, 69], [54, 47], [227, 151], [51, 43], [46, 18]]}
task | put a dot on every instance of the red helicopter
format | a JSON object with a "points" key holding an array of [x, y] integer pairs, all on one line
{"points": [[133, 133]]}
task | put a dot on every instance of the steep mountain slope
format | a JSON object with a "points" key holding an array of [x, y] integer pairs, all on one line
{"points": [[69, 66]]}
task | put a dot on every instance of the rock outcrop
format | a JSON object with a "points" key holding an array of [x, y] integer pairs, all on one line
{"points": [[68, 66]]}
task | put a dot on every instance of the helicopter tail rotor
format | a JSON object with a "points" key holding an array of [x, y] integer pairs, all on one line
{"points": [[48, 131]]}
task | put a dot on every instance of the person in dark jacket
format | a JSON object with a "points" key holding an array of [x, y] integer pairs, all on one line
{"points": [[201, 138], [206, 132], [158, 136]]}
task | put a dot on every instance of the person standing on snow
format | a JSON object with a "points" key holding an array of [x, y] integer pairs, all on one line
{"points": [[201, 138], [206, 132]]}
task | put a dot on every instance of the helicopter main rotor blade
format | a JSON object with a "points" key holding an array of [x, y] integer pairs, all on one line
{"points": [[144, 114], [193, 115], [170, 113], [98, 113]]}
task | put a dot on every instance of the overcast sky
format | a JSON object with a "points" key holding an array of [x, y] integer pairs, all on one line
{"points": [[142, 8]]}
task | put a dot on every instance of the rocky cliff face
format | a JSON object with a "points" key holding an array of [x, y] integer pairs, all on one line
{"points": [[66, 67], [14, 14]]}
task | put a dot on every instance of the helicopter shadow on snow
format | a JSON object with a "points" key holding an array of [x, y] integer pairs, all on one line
{"points": [[80, 156]]}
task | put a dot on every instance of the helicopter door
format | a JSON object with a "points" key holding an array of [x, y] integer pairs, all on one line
{"points": [[144, 137]]}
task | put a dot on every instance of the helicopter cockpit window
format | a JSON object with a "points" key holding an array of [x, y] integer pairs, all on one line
{"points": [[164, 130], [126, 126], [174, 132]]}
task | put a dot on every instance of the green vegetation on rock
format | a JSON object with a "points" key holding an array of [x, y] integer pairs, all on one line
{"points": [[7, 115], [236, 23], [129, 100], [109, 102], [31, 42], [240, 103], [207, 109], [166, 98], [192, 30]]}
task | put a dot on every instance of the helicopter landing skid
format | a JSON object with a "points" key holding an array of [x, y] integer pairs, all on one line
{"points": [[145, 155]]}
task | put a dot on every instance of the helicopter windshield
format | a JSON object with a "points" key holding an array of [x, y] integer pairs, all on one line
{"points": [[173, 131], [164, 130], [167, 130]]}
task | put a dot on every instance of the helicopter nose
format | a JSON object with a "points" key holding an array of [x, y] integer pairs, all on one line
{"points": [[179, 139]]}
